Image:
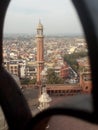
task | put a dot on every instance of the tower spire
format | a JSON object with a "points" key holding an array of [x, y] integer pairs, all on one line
{"points": [[40, 26], [39, 21]]}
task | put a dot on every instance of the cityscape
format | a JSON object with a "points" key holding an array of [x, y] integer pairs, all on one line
{"points": [[21, 56], [41, 65], [46, 72]]}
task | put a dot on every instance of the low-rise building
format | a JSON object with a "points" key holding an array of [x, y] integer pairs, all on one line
{"points": [[85, 74]]}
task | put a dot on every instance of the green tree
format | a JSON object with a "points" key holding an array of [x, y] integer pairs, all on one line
{"points": [[33, 81], [28, 81], [71, 59], [25, 81], [53, 78]]}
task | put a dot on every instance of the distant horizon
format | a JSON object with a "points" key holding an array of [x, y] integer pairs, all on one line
{"points": [[31, 34], [57, 17]]}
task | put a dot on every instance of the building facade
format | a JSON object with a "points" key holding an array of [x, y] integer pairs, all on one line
{"points": [[85, 75], [16, 67]]}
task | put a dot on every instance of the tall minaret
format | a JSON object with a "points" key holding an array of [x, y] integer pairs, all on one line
{"points": [[40, 51]]}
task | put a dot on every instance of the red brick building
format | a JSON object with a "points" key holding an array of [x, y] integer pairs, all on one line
{"points": [[64, 71], [85, 75]]}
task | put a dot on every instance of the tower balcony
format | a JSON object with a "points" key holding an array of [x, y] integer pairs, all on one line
{"points": [[40, 62], [39, 36]]}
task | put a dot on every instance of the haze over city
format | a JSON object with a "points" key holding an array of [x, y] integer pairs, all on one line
{"points": [[58, 17]]}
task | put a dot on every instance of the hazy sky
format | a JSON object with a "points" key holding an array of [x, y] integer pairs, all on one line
{"points": [[57, 17]]}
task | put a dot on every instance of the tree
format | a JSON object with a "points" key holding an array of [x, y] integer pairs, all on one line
{"points": [[28, 81], [33, 81], [52, 77], [71, 59], [25, 81]]}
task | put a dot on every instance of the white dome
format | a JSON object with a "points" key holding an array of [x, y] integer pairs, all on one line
{"points": [[44, 72], [45, 98]]}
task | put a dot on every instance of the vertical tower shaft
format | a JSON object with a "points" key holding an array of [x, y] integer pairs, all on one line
{"points": [[40, 51]]}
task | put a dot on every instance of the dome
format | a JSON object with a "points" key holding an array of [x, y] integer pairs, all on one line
{"points": [[44, 72], [45, 98]]}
